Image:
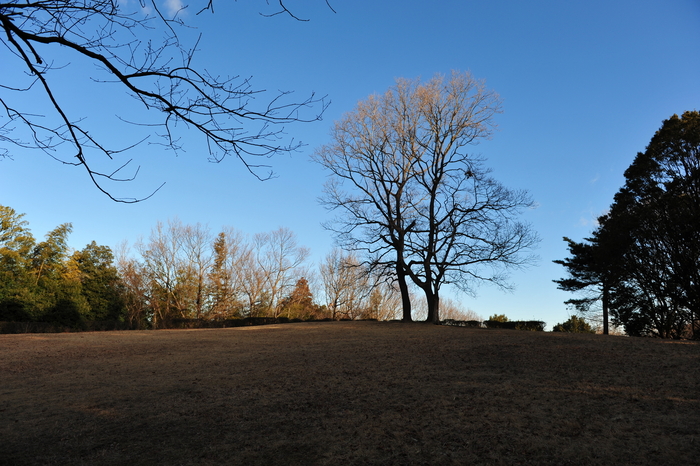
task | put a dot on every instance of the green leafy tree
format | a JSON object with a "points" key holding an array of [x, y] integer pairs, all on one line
{"points": [[48, 256], [100, 282], [59, 294], [17, 286], [574, 325]]}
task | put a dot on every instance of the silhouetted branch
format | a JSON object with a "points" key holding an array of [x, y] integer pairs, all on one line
{"points": [[223, 109]]}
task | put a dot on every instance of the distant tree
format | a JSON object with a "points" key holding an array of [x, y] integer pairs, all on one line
{"points": [[498, 318], [384, 302], [337, 279], [225, 277], [279, 258], [592, 269], [574, 325], [300, 302], [253, 283], [347, 285], [418, 203], [59, 290], [162, 266], [136, 288], [100, 282], [375, 305], [48, 256], [135, 48], [197, 259], [219, 279], [450, 309]]}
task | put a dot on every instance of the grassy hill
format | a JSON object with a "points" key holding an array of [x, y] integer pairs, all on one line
{"points": [[347, 393]]}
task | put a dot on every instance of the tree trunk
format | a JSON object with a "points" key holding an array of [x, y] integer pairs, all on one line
{"points": [[433, 300], [405, 298], [606, 303], [436, 309]]}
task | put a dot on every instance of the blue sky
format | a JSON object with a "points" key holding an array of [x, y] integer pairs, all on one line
{"points": [[584, 86]]}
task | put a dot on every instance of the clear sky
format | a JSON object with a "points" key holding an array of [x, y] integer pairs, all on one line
{"points": [[584, 86]]}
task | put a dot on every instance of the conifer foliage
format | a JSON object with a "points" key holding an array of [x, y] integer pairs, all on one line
{"points": [[645, 253]]}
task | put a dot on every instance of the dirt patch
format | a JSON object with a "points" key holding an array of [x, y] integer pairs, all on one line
{"points": [[347, 393]]}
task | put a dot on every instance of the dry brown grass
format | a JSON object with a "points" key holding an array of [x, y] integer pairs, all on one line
{"points": [[347, 393]]}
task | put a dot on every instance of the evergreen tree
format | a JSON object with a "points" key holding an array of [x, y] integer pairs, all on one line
{"points": [[658, 211], [646, 251], [300, 303], [100, 282], [574, 325], [592, 272], [498, 318]]}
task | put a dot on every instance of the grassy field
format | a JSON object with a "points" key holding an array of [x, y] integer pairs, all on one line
{"points": [[347, 393]]}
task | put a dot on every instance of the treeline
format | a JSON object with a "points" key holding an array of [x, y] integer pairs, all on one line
{"points": [[187, 272], [47, 282], [181, 272]]}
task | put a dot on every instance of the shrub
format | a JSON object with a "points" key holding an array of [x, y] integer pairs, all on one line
{"points": [[498, 318], [462, 323], [574, 325], [531, 325]]}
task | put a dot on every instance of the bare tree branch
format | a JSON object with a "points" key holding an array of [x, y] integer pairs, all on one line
{"points": [[123, 45]]}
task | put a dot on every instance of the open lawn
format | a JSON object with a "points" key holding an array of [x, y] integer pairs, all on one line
{"points": [[347, 393]]}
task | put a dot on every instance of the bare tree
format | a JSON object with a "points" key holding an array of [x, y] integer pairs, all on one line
{"points": [[197, 248], [467, 229], [416, 191], [253, 283], [346, 284], [132, 46], [136, 286], [279, 256], [372, 163], [352, 291], [384, 302], [161, 263], [271, 267], [450, 309]]}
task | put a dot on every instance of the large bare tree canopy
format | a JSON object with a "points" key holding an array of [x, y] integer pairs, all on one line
{"points": [[412, 197], [135, 45]]}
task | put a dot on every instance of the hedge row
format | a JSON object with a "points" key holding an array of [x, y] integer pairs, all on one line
{"points": [[52, 327], [46, 327], [462, 323], [531, 325]]}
